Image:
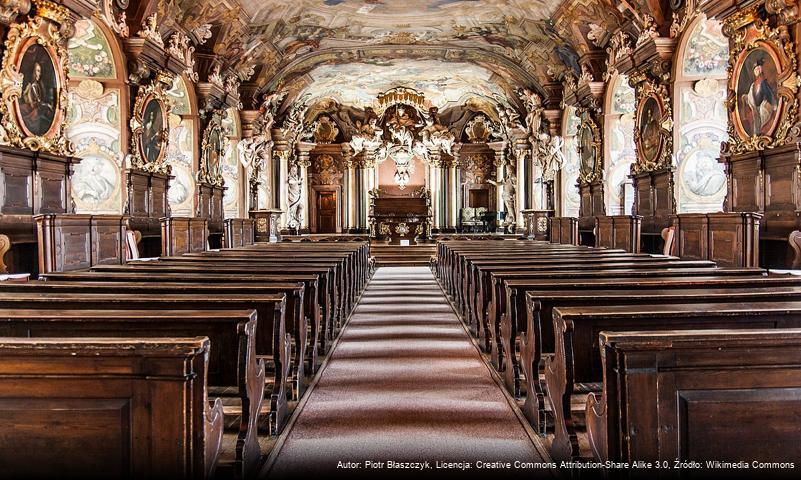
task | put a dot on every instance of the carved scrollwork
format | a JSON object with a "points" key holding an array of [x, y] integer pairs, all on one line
{"points": [[214, 145], [34, 79], [763, 82], [653, 130], [589, 149], [150, 128]]}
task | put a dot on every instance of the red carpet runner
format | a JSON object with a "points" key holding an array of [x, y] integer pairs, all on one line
{"points": [[404, 384]]}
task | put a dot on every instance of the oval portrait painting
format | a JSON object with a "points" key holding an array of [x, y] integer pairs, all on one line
{"points": [[152, 128], [214, 149], [757, 100], [650, 137], [38, 102], [587, 151]]}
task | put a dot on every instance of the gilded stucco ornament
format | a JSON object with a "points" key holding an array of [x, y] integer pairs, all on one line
{"points": [[760, 51], [653, 130], [34, 80], [589, 148], [150, 130], [214, 145]]}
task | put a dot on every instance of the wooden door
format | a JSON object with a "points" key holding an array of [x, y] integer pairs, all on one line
{"points": [[326, 212]]}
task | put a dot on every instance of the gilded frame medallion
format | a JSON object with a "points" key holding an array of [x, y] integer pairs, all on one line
{"points": [[589, 149], [653, 131], [763, 83], [150, 128], [213, 147], [34, 79]]}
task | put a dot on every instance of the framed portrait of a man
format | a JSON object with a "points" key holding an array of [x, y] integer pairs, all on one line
{"points": [[588, 150], [150, 129], [34, 78], [758, 104], [38, 103], [649, 121]]}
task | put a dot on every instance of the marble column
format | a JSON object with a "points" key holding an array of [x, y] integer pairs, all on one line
{"points": [[456, 190], [436, 180], [499, 151], [280, 171], [304, 150], [348, 187]]}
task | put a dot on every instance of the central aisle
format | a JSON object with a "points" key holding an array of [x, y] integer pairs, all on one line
{"points": [[404, 383]]}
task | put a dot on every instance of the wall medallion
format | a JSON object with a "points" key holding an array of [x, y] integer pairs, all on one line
{"points": [[34, 83], [150, 129], [213, 148], [763, 84], [653, 135], [589, 148]]}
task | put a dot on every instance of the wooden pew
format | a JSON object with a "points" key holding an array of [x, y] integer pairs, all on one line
{"points": [[272, 341], [538, 336], [107, 408], [313, 297], [231, 335], [295, 318], [720, 395], [328, 282], [577, 358], [490, 290]]}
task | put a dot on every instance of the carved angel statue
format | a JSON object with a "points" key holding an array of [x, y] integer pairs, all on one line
{"points": [[534, 109], [368, 132], [549, 153], [436, 134], [509, 196], [294, 194], [510, 122]]}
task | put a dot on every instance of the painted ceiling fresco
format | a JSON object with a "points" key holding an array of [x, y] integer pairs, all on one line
{"points": [[358, 84], [528, 42]]}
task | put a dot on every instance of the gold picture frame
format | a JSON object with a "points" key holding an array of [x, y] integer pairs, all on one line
{"points": [[213, 147], [150, 127], [589, 150], [653, 130], [763, 83], [34, 80]]}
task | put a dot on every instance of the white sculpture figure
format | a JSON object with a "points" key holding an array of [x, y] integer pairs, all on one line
{"points": [[534, 107], [436, 135], [368, 133], [549, 153], [509, 196], [294, 194]]}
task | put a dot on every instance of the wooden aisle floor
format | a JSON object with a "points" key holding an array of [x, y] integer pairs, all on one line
{"points": [[404, 383]]}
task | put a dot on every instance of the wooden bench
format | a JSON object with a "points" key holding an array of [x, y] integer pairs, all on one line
{"points": [[272, 342], [490, 290], [107, 408], [538, 337], [231, 335], [328, 282], [577, 358], [315, 298], [720, 395], [294, 314]]}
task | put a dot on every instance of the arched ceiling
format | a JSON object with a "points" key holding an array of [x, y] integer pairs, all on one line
{"points": [[489, 46]]}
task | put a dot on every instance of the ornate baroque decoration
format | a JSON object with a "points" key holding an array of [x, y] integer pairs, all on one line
{"points": [[34, 79], [181, 48], [325, 131], [150, 130], [589, 148], [150, 30], [480, 129], [212, 149], [758, 121], [477, 168], [653, 130]]}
